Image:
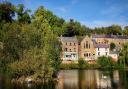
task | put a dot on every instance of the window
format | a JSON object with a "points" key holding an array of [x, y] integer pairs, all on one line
{"points": [[68, 56], [86, 55], [106, 53], [105, 49], [65, 49], [86, 44], [74, 44], [70, 50], [98, 53], [89, 46], [74, 55], [70, 44], [74, 49], [98, 49], [89, 54], [66, 43]]}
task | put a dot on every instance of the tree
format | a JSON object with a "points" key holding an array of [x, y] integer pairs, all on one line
{"points": [[125, 30], [7, 11], [105, 62], [54, 22], [123, 56], [74, 28], [23, 15], [112, 46], [114, 29], [82, 63], [42, 58]]}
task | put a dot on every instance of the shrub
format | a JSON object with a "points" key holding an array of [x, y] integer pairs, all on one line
{"points": [[105, 62], [69, 66], [82, 63], [112, 46]]}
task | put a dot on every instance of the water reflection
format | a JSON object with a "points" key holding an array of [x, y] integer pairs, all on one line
{"points": [[89, 79], [78, 79]]}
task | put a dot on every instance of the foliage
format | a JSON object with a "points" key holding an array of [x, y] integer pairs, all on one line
{"points": [[7, 12], [29, 49], [105, 62], [82, 63], [33, 63], [125, 30], [112, 46], [123, 56], [69, 66], [30, 46], [74, 28], [23, 15]]}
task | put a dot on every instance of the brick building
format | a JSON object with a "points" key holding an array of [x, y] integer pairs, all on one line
{"points": [[91, 47]]}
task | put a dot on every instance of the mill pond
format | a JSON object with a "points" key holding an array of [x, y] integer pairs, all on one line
{"points": [[77, 79]]}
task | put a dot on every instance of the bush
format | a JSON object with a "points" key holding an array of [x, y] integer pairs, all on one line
{"points": [[33, 64], [69, 66], [105, 62], [112, 46], [82, 63]]}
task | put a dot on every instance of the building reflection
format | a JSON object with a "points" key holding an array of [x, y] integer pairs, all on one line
{"points": [[68, 79], [88, 79]]}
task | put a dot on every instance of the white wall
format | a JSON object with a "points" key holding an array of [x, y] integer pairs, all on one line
{"points": [[102, 52]]}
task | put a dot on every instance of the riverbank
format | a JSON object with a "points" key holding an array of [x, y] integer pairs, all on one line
{"points": [[30, 80], [89, 66]]}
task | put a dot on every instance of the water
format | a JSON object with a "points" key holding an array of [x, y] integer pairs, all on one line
{"points": [[78, 79]]}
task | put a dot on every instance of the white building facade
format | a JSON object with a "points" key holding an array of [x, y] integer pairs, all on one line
{"points": [[101, 50]]}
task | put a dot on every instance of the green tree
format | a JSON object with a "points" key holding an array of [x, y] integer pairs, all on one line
{"points": [[112, 46], [105, 62], [114, 29], [82, 63], [23, 15], [123, 56], [7, 11], [125, 30]]}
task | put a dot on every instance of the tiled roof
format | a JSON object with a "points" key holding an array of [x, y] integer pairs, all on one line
{"points": [[69, 39], [114, 52], [99, 45], [110, 36]]}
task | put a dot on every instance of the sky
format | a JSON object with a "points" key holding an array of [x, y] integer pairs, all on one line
{"points": [[92, 13]]}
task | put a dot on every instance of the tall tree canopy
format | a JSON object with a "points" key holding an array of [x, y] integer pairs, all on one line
{"points": [[125, 30], [23, 15], [7, 12]]}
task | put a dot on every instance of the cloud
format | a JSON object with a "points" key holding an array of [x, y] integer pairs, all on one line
{"points": [[62, 9]]}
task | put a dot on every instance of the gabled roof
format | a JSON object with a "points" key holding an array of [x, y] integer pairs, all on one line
{"points": [[69, 39]]}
